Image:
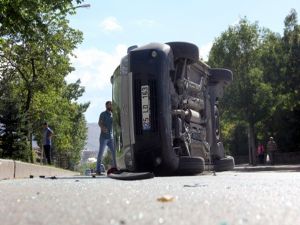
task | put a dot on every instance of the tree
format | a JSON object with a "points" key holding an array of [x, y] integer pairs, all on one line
{"points": [[35, 45], [280, 60], [13, 142], [248, 98], [265, 90]]}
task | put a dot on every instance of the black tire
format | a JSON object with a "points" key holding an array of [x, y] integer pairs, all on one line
{"points": [[184, 50], [190, 165], [224, 164], [217, 75], [131, 176]]}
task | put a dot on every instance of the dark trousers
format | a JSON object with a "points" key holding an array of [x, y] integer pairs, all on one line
{"points": [[261, 158], [47, 150], [271, 155]]}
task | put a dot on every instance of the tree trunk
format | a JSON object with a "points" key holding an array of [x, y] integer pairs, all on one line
{"points": [[27, 109], [251, 144]]}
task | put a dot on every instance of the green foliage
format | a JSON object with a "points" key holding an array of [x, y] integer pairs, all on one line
{"points": [[36, 43], [238, 49], [14, 142], [284, 121], [107, 157], [235, 138], [265, 90], [83, 167], [246, 98]]}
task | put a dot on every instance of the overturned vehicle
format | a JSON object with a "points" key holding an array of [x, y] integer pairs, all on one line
{"points": [[165, 110]]}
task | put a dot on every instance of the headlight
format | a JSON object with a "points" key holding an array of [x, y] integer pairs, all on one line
{"points": [[153, 54]]}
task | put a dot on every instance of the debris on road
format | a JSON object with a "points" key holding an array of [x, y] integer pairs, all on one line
{"points": [[166, 198], [195, 185]]}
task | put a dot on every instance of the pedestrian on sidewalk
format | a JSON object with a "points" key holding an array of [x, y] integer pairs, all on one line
{"points": [[271, 148], [106, 137], [261, 153], [47, 136]]}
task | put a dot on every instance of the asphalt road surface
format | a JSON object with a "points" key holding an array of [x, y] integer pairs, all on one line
{"points": [[238, 197]]}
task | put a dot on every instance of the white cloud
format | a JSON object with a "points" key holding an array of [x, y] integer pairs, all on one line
{"points": [[146, 23], [110, 24], [94, 68], [204, 51]]}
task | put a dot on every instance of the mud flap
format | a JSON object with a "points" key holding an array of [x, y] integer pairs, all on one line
{"points": [[131, 175]]}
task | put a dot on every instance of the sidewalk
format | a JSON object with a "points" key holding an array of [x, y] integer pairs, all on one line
{"points": [[267, 167], [11, 169]]}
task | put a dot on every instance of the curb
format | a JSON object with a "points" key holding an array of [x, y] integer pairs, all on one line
{"points": [[267, 167], [7, 169], [11, 169]]}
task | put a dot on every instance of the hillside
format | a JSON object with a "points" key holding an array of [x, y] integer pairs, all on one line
{"points": [[92, 137]]}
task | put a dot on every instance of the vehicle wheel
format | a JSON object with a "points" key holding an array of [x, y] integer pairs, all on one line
{"points": [[190, 165], [224, 164], [184, 50], [217, 75]]}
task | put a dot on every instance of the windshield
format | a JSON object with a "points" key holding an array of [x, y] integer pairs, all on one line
{"points": [[116, 101]]}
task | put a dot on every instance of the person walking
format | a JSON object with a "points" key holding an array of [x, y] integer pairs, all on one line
{"points": [[261, 153], [271, 148], [47, 136], [106, 138]]}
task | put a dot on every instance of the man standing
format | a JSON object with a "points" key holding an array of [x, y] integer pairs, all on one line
{"points": [[47, 135], [106, 137], [271, 148]]}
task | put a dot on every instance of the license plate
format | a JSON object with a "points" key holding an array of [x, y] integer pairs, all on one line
{"points": [[145, 95]]}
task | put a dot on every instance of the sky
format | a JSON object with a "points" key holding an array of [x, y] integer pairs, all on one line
{"points": [[110, 27]]}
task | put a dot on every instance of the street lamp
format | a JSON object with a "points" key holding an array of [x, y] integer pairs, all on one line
{"points": [[82, 6]]}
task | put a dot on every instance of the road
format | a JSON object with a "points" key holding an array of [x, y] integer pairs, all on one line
{"points": [[227, 198]]}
